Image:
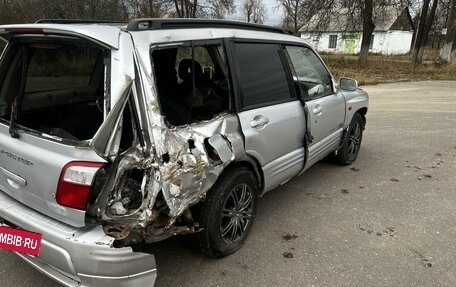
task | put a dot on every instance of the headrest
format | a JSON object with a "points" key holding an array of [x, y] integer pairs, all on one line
{"points": [[185, 69]]}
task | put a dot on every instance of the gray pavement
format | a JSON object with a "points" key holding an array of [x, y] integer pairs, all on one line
{"points": [[387, 220]]}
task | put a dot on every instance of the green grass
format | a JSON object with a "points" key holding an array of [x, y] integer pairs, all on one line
{"points": [[387, 69]]}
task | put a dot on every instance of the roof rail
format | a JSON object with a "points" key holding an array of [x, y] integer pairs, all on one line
{"points": [[188, 23], [77, 21]]}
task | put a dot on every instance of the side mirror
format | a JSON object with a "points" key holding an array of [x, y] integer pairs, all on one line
{"points": [[348, 84]]}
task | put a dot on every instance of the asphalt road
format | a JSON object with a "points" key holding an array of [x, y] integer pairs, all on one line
{"points": [[387, 220]]}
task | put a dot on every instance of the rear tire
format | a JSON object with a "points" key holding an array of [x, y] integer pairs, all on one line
{"points": [[228, 212], [348, 153]]}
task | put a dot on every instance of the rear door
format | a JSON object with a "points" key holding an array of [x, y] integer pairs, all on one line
{"points": [[326, 107], [271, 116], [52, 89]]}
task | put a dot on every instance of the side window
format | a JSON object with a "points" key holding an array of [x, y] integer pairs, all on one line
{"points": [[192, 82], [262, 75], [309, 74]]}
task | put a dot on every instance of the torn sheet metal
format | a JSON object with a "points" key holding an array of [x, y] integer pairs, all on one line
{"points": [[194, 164], [222, 147], [183, 165], [106, 140], [146, 192]]}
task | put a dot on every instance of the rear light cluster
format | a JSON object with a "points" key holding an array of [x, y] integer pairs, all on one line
{"points": [[75, 184]]}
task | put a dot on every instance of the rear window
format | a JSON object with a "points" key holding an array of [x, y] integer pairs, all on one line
{"points": [[57, 86]]}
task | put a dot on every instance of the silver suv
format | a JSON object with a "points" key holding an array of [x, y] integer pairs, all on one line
{"points": [[113, 134]]}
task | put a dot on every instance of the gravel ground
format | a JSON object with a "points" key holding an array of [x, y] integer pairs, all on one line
{"points": [[387, 220]]}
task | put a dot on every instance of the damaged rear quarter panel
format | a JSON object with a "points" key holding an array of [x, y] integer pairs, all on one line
{"points": [[192, 167], [183, 163]]}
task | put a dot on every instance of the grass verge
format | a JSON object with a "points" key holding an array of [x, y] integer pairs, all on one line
{"points": [[387, 69]]}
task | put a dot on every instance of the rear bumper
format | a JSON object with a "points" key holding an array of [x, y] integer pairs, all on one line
{"points": [[79, 256]]}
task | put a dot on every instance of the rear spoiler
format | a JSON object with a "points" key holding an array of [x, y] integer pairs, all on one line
{"points": [[105, 36]]}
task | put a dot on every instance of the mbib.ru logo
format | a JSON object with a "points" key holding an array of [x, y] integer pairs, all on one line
{"points": [[20, 241]]}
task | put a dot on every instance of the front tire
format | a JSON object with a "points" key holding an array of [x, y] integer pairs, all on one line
{"points": [[348, 153], [227, 214]]}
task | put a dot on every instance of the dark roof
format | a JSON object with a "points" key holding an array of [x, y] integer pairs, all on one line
{"points": [[348, 20], [189, 23], [79, 21], [172, 23]]}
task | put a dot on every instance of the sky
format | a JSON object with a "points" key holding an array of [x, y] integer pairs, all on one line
{"points": [[274, 17]]}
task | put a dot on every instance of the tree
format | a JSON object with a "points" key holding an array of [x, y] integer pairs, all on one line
{"points": [[368, 28], [202, 9], [254, 11], [218, 9], [447, 52], [298, 12], [145, 8], [293, 14], [364, 14], [436, 36], [424, 27], [186, 8], [350, 16], [26, 11]]}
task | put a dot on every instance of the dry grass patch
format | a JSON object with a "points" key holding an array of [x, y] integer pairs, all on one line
{"points": [[387, 69]]}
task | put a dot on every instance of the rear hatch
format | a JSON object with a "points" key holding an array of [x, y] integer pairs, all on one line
{"points": [[52, 102]]}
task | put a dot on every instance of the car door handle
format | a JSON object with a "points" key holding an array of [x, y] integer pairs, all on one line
{"points": [[13, 178], [259, 121], [317, 110]]}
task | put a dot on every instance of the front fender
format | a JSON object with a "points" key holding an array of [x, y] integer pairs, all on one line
{"points": [[355, 101]]}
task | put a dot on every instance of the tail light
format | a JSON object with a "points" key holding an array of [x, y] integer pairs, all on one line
{"points": [[75, 184]]}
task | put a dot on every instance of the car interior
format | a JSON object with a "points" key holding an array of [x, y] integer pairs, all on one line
{"points": [[56, 87], [192, 83]]}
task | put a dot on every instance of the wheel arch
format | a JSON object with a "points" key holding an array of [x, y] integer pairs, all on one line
{"points": [[251, 164], [363, 112]]}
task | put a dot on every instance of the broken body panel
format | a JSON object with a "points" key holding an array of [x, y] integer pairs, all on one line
{"points": [[182, 163], [145, 190], [73, 252], [143, 172], [177, 165]]}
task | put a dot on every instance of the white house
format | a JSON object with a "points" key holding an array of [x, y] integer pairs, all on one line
{"points": [[342, 33]]}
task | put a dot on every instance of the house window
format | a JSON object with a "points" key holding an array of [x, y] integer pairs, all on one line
{"points": [[371, 45], [332, 41]]}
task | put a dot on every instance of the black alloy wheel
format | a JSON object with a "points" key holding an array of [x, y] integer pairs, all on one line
{"points": [[236, 213], [348, 153], [228, 212]]}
